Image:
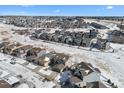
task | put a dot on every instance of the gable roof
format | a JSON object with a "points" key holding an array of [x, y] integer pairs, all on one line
{"points": [[95, 85], [4, 84], [85, 68], [74, 79]]}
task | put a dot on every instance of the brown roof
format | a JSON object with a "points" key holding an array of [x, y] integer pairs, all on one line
{"points": [[41, 59], [4, 84], [96, 84], [58, 67], [74, 79], [61, 55], [85, 66], [26, 47], [11, 46], [38, 49]]}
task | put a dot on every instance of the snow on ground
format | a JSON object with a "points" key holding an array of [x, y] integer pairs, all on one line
{"points": [[108, 63], [2, 25], [27, 74], [109, 24], [3, 73], [111, 65], [23, 86], [20, 61]]}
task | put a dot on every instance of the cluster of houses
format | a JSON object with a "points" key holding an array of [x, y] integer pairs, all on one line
{"points": [[80, 75], [83, 75], [51, 22], [44, 21], [72, 38], [50, 63], [36, 55]]}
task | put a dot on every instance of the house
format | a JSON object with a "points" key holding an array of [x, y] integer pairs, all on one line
{"points": [[2, 45], [39, 51], [32, 59], [103, 43], [57, 62], [96, 84], [60, 56], [41, 58], [77, 41], [58, 68], [85, 42], [68, 40], [26, 47], [43, 36], [9, 48], [92, 77], [50, 36], [21, 50], [36, 51], [4, 84], [43, 61], [98, 26], [86, 68], [12, 80], [79, 34], [82, 73], [116, 37], [76, 82], [31, 52]]}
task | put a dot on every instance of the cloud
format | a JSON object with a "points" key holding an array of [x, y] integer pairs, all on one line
{"points": [[109, 7], [57, 11]]}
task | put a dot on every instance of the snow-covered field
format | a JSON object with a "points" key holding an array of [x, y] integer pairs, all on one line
{"points": [[110, 64]]}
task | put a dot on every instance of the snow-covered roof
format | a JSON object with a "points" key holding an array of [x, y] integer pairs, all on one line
{"points": [[31, 66], [12, 80], [45, 72]]}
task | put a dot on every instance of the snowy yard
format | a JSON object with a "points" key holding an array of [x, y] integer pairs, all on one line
{"points": [[18, 69]]}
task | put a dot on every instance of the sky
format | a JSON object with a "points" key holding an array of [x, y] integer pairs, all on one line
{"points": [[63, 10]]}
